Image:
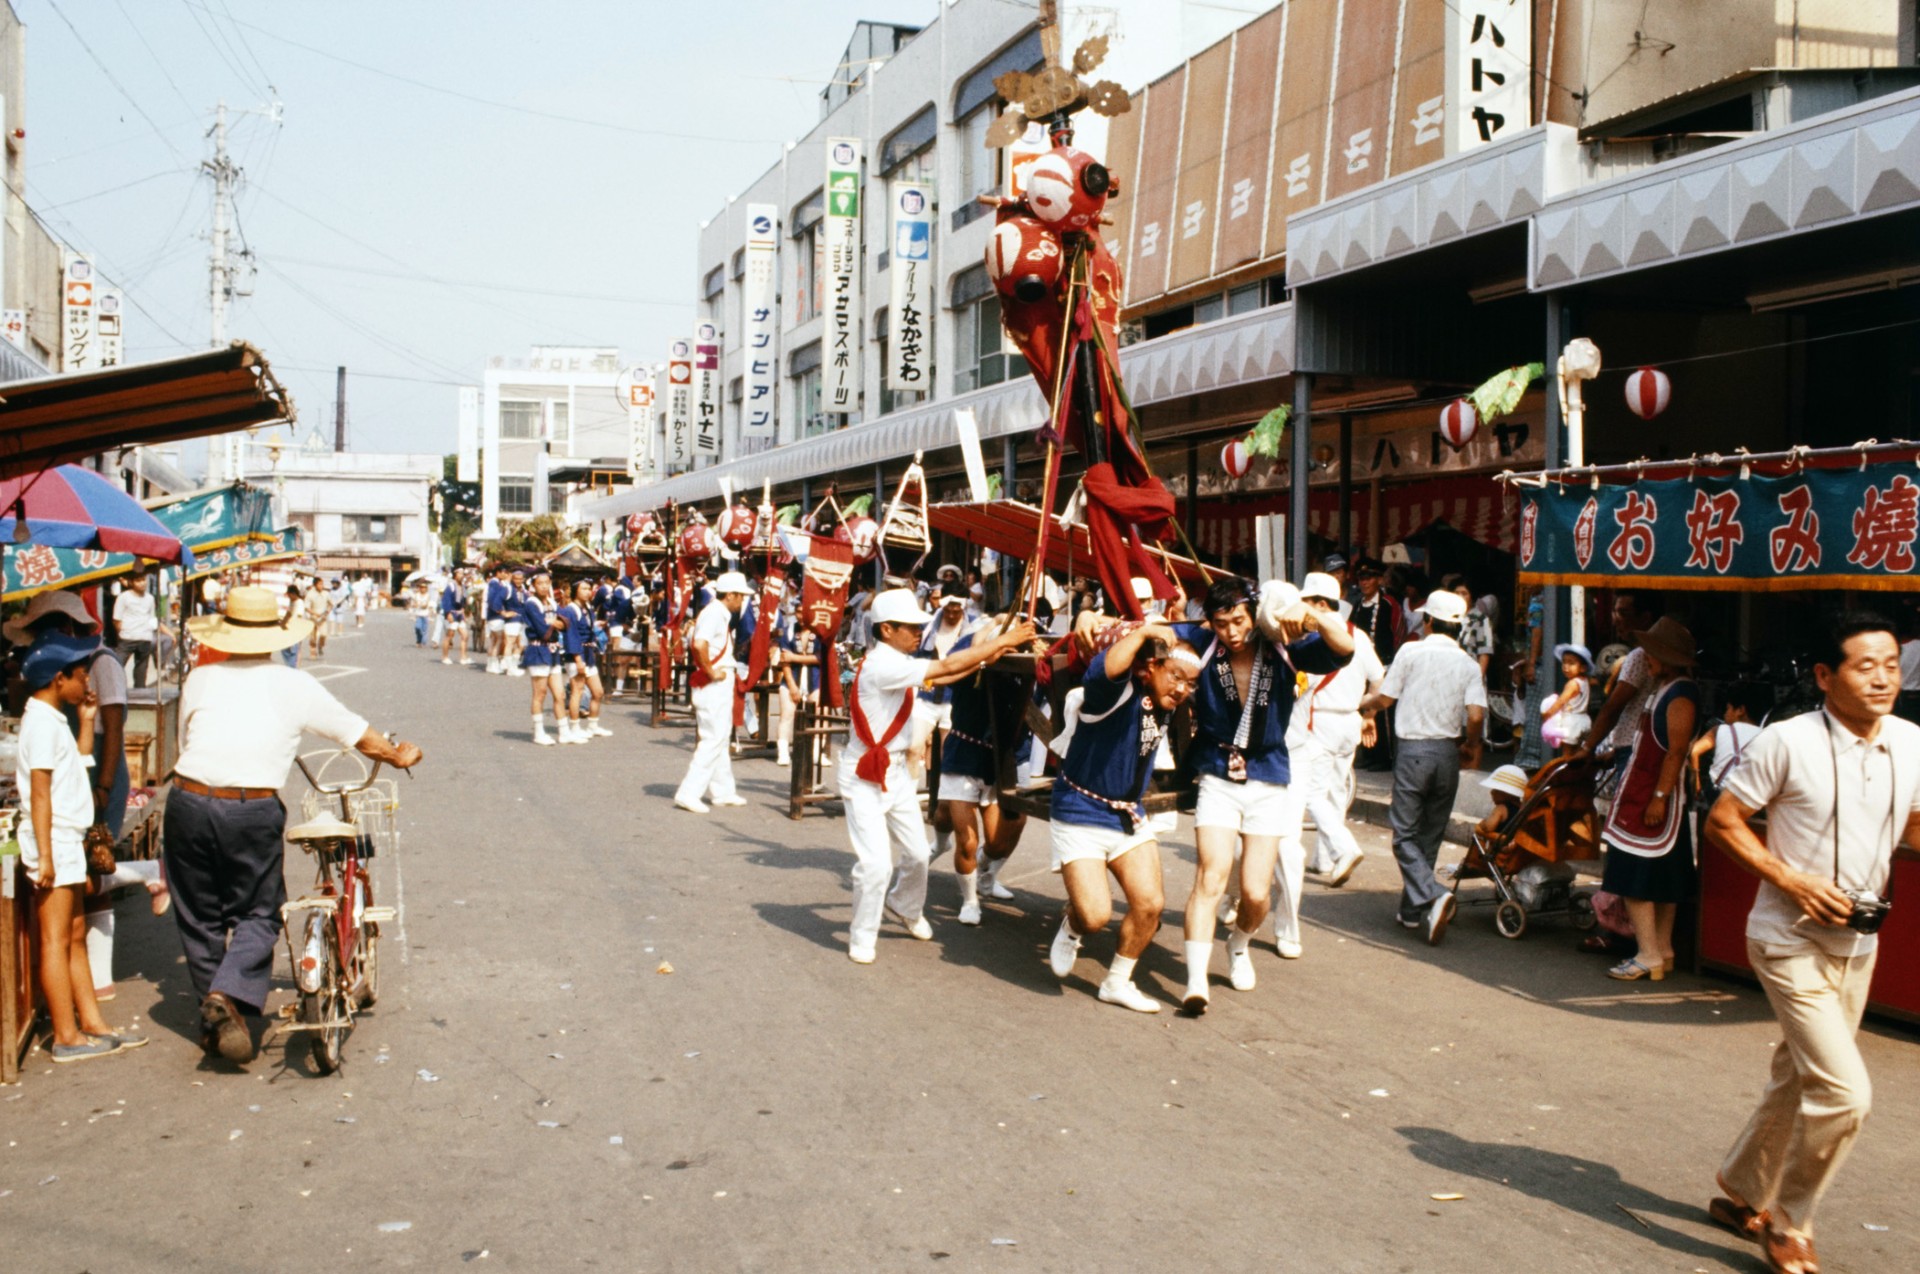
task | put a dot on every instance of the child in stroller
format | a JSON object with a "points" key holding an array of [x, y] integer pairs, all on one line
{"points": [[1538, 828]]}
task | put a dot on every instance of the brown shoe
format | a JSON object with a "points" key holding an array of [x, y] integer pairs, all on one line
{"points": [[1789, 1253], [1738, 1219], [223, 1029]]}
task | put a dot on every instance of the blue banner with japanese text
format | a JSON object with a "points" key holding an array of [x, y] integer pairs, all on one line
{"points": [[1851, 528]]}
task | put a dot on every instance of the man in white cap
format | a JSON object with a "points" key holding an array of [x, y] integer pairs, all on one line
{"points": [[1440, 703], [1321, 738], [883, 808], [712, 674]]}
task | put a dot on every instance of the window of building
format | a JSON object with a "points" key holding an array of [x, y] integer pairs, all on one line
{"points": [[714, 283], [1210, 308], [563, 420], [1166, 321], [1250, 296], [975, 106], [739, 270], [369, 528], [907, 153], [809, 246], [983, 355], [520, 421], [516, 497], [806, 400], [557, 497]]}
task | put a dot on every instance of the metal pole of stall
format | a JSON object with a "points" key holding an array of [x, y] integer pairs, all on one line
{"points": [[1192, 518], [1346, 483], [1297, 503], [1553, 598]]}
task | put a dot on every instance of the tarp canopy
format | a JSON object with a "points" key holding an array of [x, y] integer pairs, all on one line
{"points": [[1011, 529], [203, 521], [54, 419], [1807, 527], [286, 543]]}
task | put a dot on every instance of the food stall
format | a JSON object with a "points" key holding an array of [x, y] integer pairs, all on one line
{"points": [[1827, 523]]}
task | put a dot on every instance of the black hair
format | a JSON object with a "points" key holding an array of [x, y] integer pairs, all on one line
{"points": [[1453, 580], [1750, 695], [1229, 592], [1646, 601], [1832, 651], [1443, 627]]}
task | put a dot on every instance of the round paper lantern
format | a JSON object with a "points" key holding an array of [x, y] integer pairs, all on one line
{"points": [[639, 524], [1023, 259], [1647, 392], [863, 533], [1236, 459], [736, 526], [698, 542], [1459, 422], [1067, 188]]}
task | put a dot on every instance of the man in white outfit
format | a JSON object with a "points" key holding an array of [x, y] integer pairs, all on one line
{"points": [[1321, 738], [711, 770], [883, 808]]}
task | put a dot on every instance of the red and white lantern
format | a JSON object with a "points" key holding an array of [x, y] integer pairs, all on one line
{"points": [[1236, 458], [1459, 422], [1067, 188], [736, 526], [640, 524], [1023, 259], [1647, 392], [863, 533], [698, 543]]}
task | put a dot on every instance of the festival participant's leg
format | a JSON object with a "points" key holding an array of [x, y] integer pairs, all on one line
{"points": [[1138, 871], [540, 689], [867, 817], [1216, 838], [1089, 907], [717, 714], [1002, 835], [1263, 860], [1425, 776], [961, 818], [907, 836], [596, 693], [709, 750], [464, 660], [446, 644]]}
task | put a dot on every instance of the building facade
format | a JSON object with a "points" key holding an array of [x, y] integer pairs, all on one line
{"points": [[555, 409], [30, 258], [362, 513]]}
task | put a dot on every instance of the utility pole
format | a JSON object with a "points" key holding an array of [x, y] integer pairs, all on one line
{"points": [[340, 409], [220, 285]]}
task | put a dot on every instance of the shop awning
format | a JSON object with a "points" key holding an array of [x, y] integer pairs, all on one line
{"points": [[1842, 518], [204, 521], [1010, 529], [285, 544], [55, 419]]}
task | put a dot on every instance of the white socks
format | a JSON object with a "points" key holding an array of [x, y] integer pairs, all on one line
{"points": [[1199, 956], [969, 888], [1237, 941], [1121, 970]]}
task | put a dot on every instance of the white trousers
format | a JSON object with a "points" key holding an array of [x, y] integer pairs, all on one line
{"points": [[1321, 777], [711, 770], [884, 826]]}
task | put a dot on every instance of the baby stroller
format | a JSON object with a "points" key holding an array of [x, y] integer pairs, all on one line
{"points": [[1528, 859]]}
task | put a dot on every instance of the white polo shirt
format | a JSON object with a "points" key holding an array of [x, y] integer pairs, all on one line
{"points": [[1789, 773], [241, 722], [885, 675], [46, 743], [1328, 711], [714, 630], [1432, 683], [133, 615]]}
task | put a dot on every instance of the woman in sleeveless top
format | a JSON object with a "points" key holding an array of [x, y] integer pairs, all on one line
{"points": [[1649, 862]]}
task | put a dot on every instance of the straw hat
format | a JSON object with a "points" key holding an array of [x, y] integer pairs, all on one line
{"points": [[251, 624], [1669, 641]]}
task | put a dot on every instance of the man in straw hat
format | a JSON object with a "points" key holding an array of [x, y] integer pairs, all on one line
{"points": [[241, 720], [1441, 703]]}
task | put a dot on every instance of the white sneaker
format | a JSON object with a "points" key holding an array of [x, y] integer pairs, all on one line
{"points": [[970, 913], [571, 733], [990, 886], [464, 663], [1343, 869], [916, 927], [1065, 950], [693, 805], [493, 666], [735, 799], [594, 727], [445, 660], [1196, 1000], [1240, 972], [1289, 950], [1127, 996], [783, 757], [541, 737], [516, 671], [860, 955]]}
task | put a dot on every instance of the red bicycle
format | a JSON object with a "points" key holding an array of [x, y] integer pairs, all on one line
{"points": [[333, 932]]}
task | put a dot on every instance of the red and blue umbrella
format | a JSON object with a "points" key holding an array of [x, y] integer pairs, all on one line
{"points": [[69, 507]]}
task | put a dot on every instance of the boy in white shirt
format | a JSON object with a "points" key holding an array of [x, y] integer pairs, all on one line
{"points": [[56, 810]]}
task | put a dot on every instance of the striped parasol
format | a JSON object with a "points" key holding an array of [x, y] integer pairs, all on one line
{"points": [[69, 507]]}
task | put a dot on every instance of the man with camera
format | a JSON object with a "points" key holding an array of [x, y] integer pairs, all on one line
{"points": [[1841, 791]]}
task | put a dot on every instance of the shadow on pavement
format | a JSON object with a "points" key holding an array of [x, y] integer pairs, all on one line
{"points": [[1586, 1186], [816, 922]]}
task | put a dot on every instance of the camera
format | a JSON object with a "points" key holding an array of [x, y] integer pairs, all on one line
{"points": [[1869, 911]]}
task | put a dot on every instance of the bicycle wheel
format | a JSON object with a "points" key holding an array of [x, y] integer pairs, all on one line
{"points": [[326, 1011]]}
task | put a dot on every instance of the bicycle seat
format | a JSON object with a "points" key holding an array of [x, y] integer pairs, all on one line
{"points": [[323, 828]]}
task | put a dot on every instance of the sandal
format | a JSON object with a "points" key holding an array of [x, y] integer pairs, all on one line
{"points": [[1739, 1219], [1632, 971], [1789, 1253]]}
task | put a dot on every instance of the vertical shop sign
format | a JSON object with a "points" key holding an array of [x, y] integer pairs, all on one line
{"points": [[679, 406], [640, 426], [108, 332], [757, 324], [13, 325], [706, 390], [1489, 72], [910, 288], [79, 348], [467, 461], [840, 366]]}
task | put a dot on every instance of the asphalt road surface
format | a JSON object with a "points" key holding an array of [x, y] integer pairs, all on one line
{"points": [[534, 1091]]}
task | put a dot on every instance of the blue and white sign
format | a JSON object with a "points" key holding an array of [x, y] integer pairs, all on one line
{"points": [[758, 324], [910, 289]]}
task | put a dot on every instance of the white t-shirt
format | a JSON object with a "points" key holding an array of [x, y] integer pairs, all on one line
{"points": [[133, 615], [1329, 710], [1730, 743], [714, 630], [1432, 683], [885, 674], [1788, 771], [46, 743], [1633, 671], [241, 722]]}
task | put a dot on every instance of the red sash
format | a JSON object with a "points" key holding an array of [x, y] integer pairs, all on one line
{"points": [[873, 765]]}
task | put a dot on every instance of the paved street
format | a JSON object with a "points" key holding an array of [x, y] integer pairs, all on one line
{"points": [[532, 1094]]}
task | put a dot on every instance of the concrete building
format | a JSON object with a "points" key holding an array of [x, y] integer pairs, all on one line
{"points": [[30, 258], [554, 409], [363, 513]]}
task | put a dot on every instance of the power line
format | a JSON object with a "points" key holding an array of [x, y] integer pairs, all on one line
{"points": [[386, 342], [248, 48], [125, 185], [506, 106], [121, 88], [219, 47], [141, 36], [488, 287]]}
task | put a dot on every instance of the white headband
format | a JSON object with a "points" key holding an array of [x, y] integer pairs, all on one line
{"points": [[1183, 655]]}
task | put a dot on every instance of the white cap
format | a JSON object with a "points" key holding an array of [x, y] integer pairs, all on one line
{"points": [[1447, 607], [897, 606], [1323, 586], [1142, 588], [732, 582], [1510, 779]]}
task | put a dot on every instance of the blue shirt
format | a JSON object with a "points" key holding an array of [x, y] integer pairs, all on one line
{"points": [[1216, 702], [968, 750], [528, 610], [579, 630], [1111, 754], [787, 634], [499, 592], [452, 599]]}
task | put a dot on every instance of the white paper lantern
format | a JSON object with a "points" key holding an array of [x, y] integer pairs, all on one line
{"points": [[1459, 422], [1236, 459], [1647, 392]]}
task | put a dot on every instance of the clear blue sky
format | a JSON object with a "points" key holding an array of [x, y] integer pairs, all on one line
{"points": [[371, 188]]}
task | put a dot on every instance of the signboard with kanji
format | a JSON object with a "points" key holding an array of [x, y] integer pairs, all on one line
{"points": [[1489, 82], [706, 390], [840, 361], [910, 289], [1834, 528], [757, 325], [679, 406]]}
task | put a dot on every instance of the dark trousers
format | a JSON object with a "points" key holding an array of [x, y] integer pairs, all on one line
{"points": [[138, 656], [1426, 774], [224, 866]]}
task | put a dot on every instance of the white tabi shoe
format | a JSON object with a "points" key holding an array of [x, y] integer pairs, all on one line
{"points": [[693, 805], [1065, 950], [1240, 971], [990, 886], [970, 913], [730, 800], [916, 927], [1127, 996]]}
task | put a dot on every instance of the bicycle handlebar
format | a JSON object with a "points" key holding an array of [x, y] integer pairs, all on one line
{"points": [[339, 789]]}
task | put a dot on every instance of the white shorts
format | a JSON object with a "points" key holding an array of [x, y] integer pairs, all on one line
{"points": [[515, 628], [1073, 842], [1252, 808], [69, 859], [496, 625], [967, 789]]}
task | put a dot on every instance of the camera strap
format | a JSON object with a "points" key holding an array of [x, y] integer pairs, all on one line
{"points": [[1893, 806]]}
